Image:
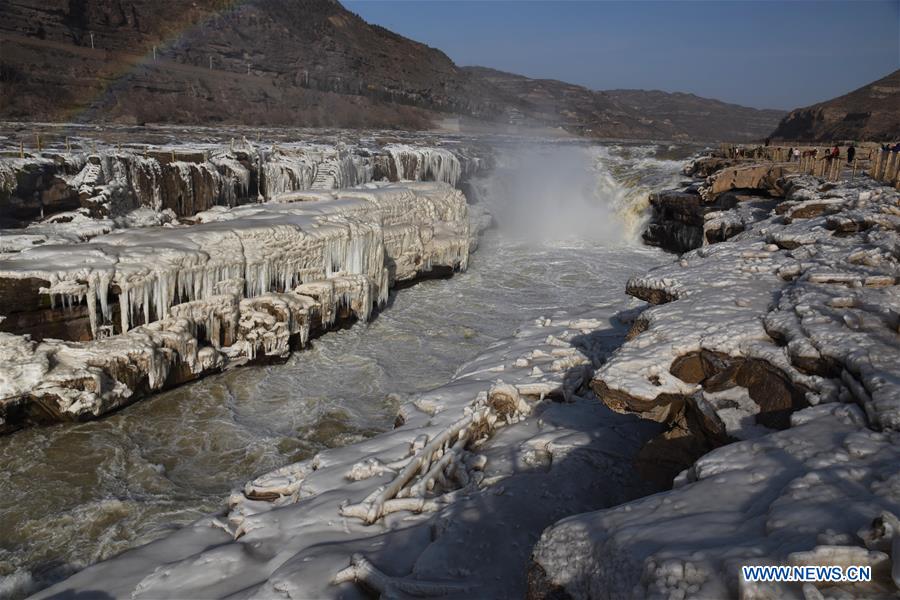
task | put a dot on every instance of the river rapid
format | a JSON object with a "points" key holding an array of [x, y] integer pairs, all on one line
{"points": [[568, 223]]}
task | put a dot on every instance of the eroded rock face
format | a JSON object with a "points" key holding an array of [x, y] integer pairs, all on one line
{"points": [[728, 198], [677, 222], [144, 309], [32, 188], [776, 396], [793, 312], [762, 177], [685, 220], [707, 165], [693, 430]]}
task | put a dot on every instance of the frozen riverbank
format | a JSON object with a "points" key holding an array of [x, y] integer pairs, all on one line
{"points": [[789, 324], [171, 458], [245, 283], [475, 465]]}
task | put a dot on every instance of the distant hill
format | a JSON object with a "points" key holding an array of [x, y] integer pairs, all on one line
{"points": [[629, 113], [871, 112], [301, 63], [700, 118]]}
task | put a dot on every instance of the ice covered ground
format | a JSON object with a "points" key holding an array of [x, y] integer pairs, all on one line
{"points": [[783, 337], [249, 420], [791, 325], [449, 503]]}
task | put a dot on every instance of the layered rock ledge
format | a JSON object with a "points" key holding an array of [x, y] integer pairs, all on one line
{"points": [[89, 327]]}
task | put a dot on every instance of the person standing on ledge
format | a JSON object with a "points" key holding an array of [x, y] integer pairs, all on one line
{"points": [[851, 152]]}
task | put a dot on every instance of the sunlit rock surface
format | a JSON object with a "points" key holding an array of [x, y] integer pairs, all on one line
{"points": [[813, 296]]}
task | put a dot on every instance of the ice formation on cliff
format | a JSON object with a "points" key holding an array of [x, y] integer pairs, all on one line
{"points": [[419, 164], [186, 179], [242, 282]]}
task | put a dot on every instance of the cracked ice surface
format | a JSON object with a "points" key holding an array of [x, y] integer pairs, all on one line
{"points": [[243, 282]]}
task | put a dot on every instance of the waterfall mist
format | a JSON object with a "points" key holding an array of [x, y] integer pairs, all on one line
{"points": [[556, 193]]}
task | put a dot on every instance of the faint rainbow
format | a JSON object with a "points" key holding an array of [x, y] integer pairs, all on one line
{"points": [[131, 64]]}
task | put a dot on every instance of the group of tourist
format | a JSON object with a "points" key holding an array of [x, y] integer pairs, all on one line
{"points": [[794, 154]]}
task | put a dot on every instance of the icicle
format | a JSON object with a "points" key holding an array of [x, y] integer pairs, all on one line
{"points": [[124, 308], [92, 305]]}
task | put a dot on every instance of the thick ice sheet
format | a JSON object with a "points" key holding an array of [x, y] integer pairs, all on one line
{"points": [[243, 282]]}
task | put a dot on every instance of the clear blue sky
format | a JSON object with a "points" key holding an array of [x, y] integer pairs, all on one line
{"points": [[756, 53]]}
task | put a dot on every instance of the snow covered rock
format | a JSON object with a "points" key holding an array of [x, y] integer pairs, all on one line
{"points": [[791, 324], [793, 311], [792, 497], [449, 503], [108, 183], [140, 309]]}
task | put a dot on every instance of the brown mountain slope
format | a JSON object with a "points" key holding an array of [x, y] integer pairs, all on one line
{"points": [[302, 63], [698, 117], [630, 113], [871, 112], [574, 108]]}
